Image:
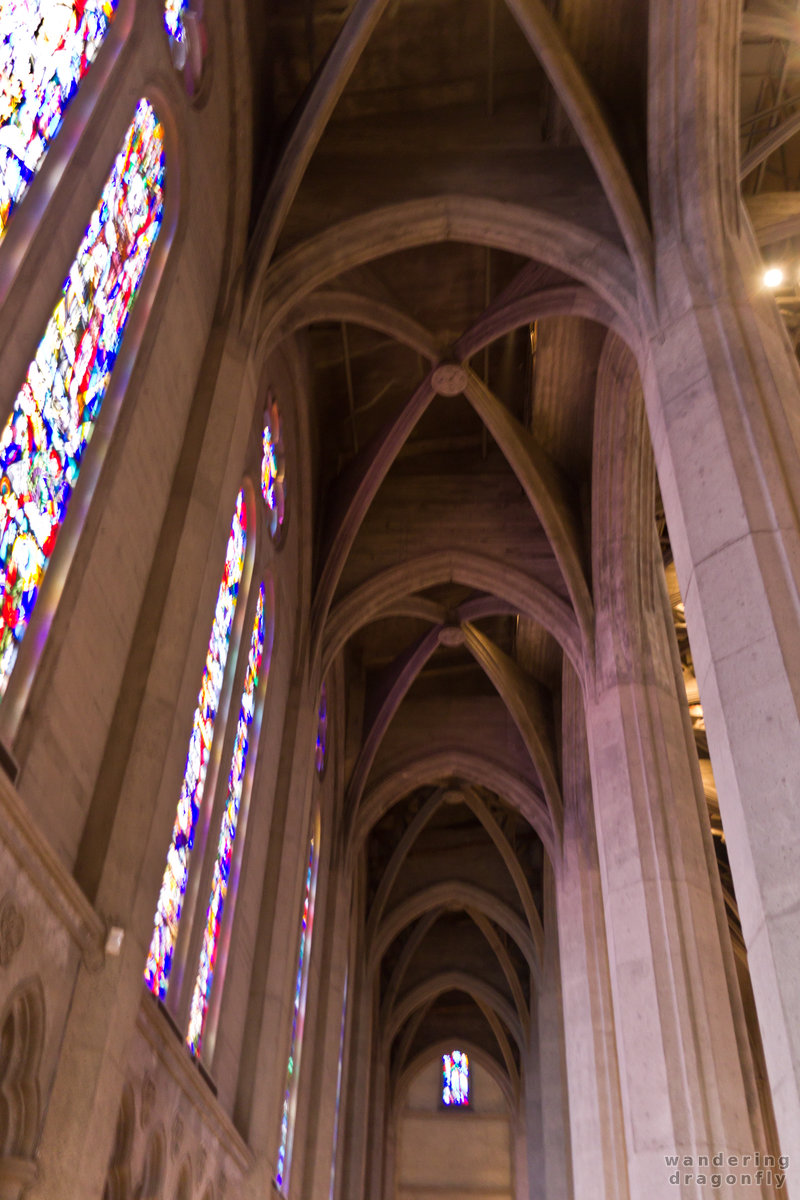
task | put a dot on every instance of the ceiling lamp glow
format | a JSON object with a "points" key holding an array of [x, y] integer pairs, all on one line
{"points": [[773, 277]]}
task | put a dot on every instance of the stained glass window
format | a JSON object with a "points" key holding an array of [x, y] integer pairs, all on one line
{"points": [[301, 984], [227, 836], [174, 19], [455, 1078], [273, 474], [321, 747], [54, 414], [46, 48], [173, 886]]}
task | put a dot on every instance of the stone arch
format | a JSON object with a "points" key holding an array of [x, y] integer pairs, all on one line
{"points": [[153, 1169], [183, 1188], [560, 243], [118, 1179], [517, 588], [410, 1069], [22, 1027]]}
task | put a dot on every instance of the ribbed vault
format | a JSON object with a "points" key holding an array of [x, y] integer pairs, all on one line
{"points": [[452, 230]]}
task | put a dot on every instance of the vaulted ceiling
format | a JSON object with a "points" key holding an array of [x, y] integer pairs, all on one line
{"points": [[451, 212]]}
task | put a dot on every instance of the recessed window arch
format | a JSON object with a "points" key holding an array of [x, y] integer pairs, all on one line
{"points": [[245, 748], [43, 444], [289, 1109], [169, 908], [46, 50]]}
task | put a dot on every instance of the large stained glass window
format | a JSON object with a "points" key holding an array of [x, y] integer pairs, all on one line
{"points": [[227, 836], [46, 48], [176, 874], [300, 988], [54, 414], [455, 1079]]}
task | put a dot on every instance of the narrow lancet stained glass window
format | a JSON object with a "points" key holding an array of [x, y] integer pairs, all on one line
{"points": [[455, 1078], [227, 836], [300, 987], [273, 471], [46, 48], [176, 874], [54, 414], [175, 12], [321, 747]]}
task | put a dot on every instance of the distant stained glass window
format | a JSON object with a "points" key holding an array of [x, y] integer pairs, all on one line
{"points": [[273, 474], [455, 1078], [46, 48], [321, 748], [173, 886], [54, 414], [175, 20], [227, 836], [301, 985]]}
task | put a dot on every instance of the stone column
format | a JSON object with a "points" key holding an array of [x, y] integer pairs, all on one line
{"points": [[723, 397], [555, 1116], [356, 1097], [597, 1133], [532, 1110], [683, 1089]]}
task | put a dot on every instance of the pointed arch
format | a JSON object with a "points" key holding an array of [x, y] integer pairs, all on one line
{"points": [[118, 1178], [579, 252], [22, 1031], [461, 981]]}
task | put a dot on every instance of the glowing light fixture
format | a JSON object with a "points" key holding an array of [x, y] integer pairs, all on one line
{"points": [[773, 277]]}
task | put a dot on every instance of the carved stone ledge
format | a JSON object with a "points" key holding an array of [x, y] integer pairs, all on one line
{"points": [[174, 1057], [20, 837]]}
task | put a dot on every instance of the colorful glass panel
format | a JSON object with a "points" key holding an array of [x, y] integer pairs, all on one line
{"points": [[321, 748], [176, 874], [290, 1095], [46, 48], [227, 836], [54, 414], [455, 1078], [273, 477], [175, 20]]}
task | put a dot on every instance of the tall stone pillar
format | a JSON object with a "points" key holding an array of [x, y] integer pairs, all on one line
{"points": [[359, 1072], [684, 1093], [597, 1133], [723, 398], [555, 1122]]}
